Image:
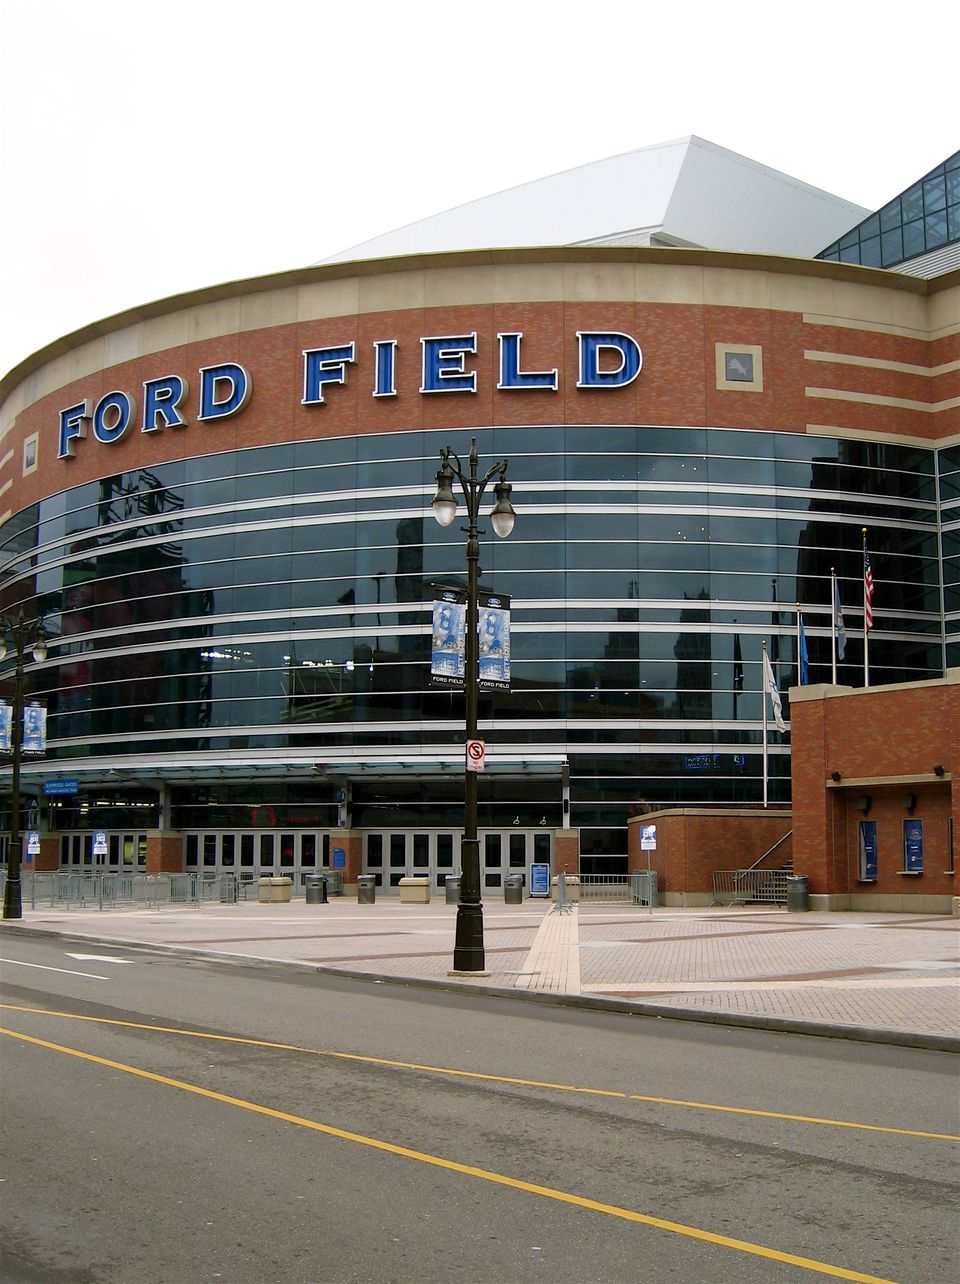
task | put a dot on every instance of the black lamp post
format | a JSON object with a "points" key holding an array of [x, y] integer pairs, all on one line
{"points": [[17, 636], [468, 953]]}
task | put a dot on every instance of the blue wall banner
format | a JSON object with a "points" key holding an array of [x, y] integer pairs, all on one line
{"points": [[913, 846], [6, 716], [868, 851]]}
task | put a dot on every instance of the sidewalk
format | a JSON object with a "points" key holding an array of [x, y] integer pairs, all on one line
{"points": [[883, 977]]}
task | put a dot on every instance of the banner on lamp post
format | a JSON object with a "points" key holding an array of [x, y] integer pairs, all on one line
{"points": [[447, 660], [34, 729], [448, 640], [493, 625]]}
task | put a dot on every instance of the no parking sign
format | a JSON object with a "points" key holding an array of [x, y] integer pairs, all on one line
{"points": [[476, 755]]}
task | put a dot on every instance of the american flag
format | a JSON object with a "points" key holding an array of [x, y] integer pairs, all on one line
{"points": [[867, 591]]}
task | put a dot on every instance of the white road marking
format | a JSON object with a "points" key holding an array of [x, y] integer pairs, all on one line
{"points": [[91, 976], [98, 958]]}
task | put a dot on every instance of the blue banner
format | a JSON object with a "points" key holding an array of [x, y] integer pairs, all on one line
{"points": [[449, 632], [868, 851], [493, 625], [448, 643], [34, 729], [913, 846]]}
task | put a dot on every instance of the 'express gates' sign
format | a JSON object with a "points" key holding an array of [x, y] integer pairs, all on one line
{"points": [[606, 359]]}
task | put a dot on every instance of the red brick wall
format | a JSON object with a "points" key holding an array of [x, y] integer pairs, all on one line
{"points": [[567, 851], [676, 386], [350, 841], [164, 853], [692, 845], [884, 742]]}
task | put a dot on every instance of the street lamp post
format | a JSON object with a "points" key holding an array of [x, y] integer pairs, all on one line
{"points": [[468, 955], [17, 636]]}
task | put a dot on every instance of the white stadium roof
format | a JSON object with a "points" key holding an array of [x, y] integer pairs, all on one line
{"points": [[683, 193]]}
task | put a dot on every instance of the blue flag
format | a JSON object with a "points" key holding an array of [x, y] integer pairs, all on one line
{"points": [[803, 665]]}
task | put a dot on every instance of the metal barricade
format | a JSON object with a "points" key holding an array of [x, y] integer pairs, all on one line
{"points": [[750, 886], [639, 887]]}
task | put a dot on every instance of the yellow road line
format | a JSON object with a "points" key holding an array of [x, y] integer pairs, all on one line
{"points": [[468, 1170], [488, 1078]]}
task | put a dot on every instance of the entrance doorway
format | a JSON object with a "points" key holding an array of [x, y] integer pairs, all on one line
{"points": [[252, 854], [126, 853], [392, 854]]}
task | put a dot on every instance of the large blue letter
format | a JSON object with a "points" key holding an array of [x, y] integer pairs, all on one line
{"points": [[444, 363], [161, 403], [324, 365], [385, 355], [511, 376], [73, 428], [112, 417], [592, 343], [215, 403]]}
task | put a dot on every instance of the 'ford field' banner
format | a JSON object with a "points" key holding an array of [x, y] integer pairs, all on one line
{"points": [[447, 654]]}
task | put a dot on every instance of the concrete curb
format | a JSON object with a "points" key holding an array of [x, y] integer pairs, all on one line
{"points": [[586, 1002]]}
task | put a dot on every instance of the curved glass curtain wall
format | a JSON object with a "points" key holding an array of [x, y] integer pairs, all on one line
{"points": [[949, 483], [280, 597]]}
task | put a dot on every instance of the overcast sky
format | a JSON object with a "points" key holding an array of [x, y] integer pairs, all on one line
{"points": [[150, 148]]}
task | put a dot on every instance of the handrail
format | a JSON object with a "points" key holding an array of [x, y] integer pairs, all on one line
{"points": [[767, 852]]}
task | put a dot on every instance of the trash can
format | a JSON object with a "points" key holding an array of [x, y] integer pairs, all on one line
{"points": [[798, 892], [513, 889], [366, 889], [316, 886], [453, 889], [334, 879]]}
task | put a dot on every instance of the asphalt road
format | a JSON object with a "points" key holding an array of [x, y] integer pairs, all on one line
{"points": [[210, 1121]]}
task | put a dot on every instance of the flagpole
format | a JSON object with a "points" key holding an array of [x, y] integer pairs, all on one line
{"points": [[866, 630], [763, 688], [833, 623]]}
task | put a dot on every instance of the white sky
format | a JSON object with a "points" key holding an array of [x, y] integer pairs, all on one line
{"points": [[150, 148]]}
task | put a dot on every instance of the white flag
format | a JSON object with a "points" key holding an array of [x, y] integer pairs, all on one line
{"points": [[771, 685]]}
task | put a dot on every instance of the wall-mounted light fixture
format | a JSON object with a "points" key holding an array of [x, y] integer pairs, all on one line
{"points": [[835, 776], [863, 803], [938, 769], [909, 803]]}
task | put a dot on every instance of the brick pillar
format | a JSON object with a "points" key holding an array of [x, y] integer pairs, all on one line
{"points": [[164, 852], [819, 811], [349, 841], [49, 857], [566, 851]]}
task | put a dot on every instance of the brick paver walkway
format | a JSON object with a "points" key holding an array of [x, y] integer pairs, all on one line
{"points": [[893, 974]]}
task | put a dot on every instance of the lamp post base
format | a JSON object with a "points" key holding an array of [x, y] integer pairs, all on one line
{"points": [[468, 954], [12, 903]]}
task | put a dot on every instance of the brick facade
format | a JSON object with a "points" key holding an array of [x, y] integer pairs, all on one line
{"points": [[694, 843], [883, 754]]}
